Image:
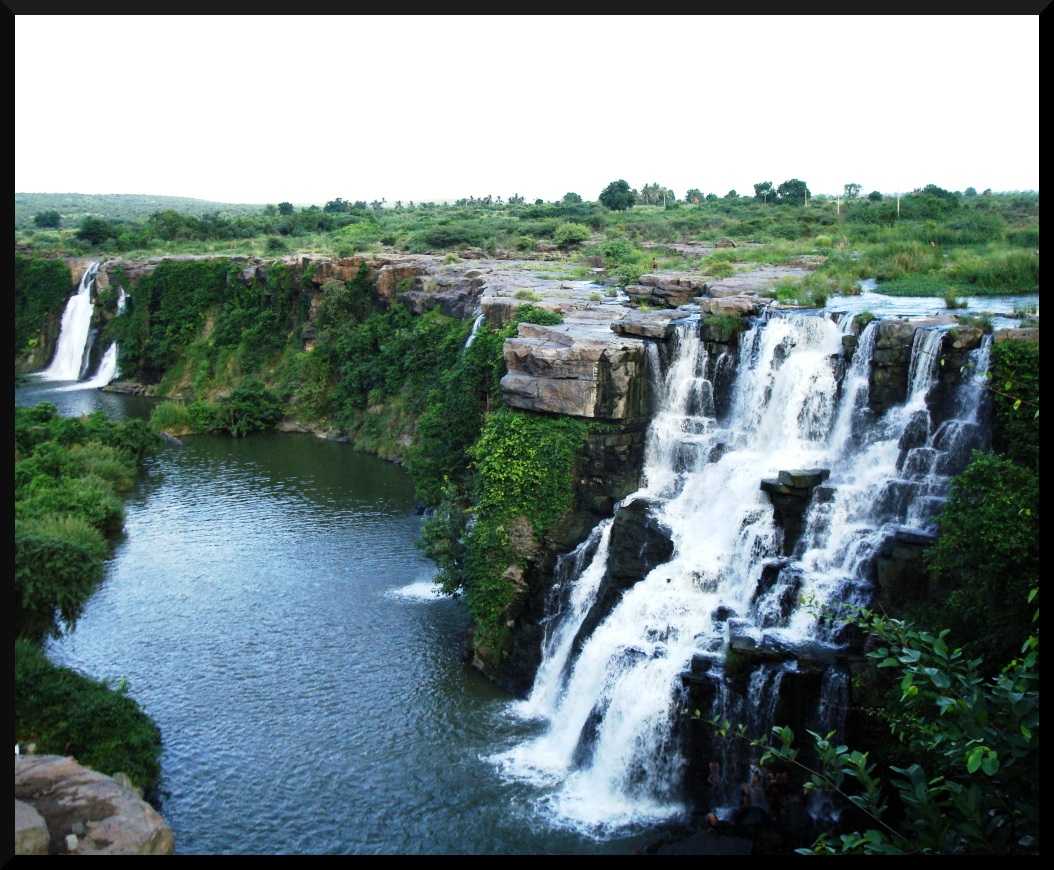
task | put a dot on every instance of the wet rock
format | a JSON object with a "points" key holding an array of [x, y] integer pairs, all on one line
{"points": [[824, 494], [758, 647], [900, 568], [115, 820], [804, 478], [722, 614], [888, 379], [638, 543], [790, 501], [776, 594], [916, 431]]}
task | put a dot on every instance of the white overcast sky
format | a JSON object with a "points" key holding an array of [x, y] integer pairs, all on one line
{"points": [[263, 109]]}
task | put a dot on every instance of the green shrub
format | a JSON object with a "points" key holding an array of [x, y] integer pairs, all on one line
{"points": [[1014, 381], [540, 316], [173, 417], [250, 407], [987, 555], [525, 465], [67, 713], [568, 234], [111, 464], [1009, 272], [42, 288], [58, 562], [719, 268]]}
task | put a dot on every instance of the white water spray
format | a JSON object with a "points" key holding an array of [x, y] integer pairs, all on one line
{"points": [[73, 336], [610, 754]]}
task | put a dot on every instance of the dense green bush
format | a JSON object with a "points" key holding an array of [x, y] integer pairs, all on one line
{"points": [[67, 713], [67, 475], [618, 196], [42, 288], [1014, 382], [525, 464], [569, 234], [972, 785], [987, 556]]}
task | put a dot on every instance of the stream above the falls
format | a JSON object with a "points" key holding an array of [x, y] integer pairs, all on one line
{"points": [[270, 610]]}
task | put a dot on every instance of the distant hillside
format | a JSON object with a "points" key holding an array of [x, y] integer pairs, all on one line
{"points": [[122, 206]]}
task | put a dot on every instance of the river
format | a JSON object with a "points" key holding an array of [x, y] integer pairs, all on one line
{"points": [[270, 610]]}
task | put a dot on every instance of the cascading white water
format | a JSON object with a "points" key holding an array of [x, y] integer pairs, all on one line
{"points": [[610, 752], [73, 336], [107, 372], [122, 300], [584, 580], [476, 324]]}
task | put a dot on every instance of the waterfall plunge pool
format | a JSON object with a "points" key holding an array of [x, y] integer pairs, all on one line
{"points": [[270, 610]]}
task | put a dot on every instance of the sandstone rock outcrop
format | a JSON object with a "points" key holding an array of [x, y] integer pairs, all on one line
{"points": [[579, 372], [668, 289], [112, 818], [647, 324]]}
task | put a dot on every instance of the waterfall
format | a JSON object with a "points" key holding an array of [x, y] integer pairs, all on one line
{"points": [[73, 336], [577, 581], [122, 300], [476, 324], [106, 372], [611, 753]]}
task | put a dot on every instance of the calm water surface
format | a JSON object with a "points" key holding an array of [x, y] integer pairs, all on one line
{"points": [[271, 612]]}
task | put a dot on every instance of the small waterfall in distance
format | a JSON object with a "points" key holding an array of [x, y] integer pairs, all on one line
{"points": [[73, 336], [476, 324], [610, 756], [76, 332]]}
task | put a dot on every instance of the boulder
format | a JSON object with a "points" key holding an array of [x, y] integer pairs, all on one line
{"points": [[900, 568], [114, 819], [669, 289], [724, 243], [646, 324], [804, 478], [31, 832]]}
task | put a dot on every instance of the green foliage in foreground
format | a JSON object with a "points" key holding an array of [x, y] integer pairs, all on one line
{"points": [[67, 713], [974, 784], [41, 289], [68, 473]]}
